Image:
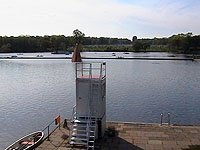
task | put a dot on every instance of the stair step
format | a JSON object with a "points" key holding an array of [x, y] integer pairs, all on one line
{"points": [[84, 128], [78, 143], [83, 121], [86, 117], [91, 147], [79, 130], [82, 135], [79, 139], [83, 125], [91, 136], [80, 127], [78, 134]]}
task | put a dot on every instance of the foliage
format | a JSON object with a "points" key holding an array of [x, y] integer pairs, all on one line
{"points": [[186, 43], [107, 48], [181, 43], [140, 45], [52, 43], [78, 35], [134, 39]]}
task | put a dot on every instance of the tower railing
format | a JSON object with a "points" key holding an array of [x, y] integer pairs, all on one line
{"points": [[91, 70]]}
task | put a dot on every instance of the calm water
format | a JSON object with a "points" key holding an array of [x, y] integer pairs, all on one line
{"points": [[34, 92]]}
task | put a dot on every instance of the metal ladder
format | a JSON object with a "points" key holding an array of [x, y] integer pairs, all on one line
{"points": [[83, 132]]}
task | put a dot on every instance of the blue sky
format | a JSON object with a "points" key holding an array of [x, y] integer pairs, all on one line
{"points": [[108, 18]]}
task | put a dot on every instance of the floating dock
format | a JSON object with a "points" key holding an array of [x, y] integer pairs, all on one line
{"points": [[132, 136]]}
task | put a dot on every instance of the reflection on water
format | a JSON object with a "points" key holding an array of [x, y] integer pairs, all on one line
{"points": [[33, 92]]}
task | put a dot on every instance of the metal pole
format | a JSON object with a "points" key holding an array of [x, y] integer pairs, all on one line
{"points": [[168, 118], [161, 119], [101, 71], [76, 70], [34, 141], [82, 69], [90, 70], [105, 68], [48, 133]]}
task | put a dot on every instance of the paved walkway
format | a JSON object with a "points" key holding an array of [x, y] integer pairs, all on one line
{"points": [[133, 136]]}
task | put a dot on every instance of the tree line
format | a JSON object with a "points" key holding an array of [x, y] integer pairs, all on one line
{"points": [[180, 43], [52, 43]]}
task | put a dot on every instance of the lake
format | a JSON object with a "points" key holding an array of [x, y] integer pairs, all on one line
{"points": [[34, 92]]}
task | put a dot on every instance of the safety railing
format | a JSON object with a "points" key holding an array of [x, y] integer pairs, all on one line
{"points": [[46, 136], [73, 113], [48, 128], [94, 69], [168, 119]]}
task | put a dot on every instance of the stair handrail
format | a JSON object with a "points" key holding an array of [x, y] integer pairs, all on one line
{"points": [[73, 117], [89, 120], [94, 134], [73, 113]]}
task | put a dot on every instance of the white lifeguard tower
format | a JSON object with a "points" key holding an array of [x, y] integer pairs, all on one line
{"points": [[89, 113]]}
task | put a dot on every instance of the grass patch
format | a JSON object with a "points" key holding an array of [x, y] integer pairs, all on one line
{"points": [[193, 147]]}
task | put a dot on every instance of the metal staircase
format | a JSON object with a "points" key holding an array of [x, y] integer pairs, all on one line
{"points": [[83, 132]]}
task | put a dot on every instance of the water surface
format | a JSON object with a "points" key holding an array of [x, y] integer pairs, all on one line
{"points": [[34, 92]]}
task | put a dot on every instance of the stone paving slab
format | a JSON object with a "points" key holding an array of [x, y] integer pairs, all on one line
{"points": [[132, 136]]}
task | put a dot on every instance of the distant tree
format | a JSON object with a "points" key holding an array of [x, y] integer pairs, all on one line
{"points": [[134, 39], [78, 35], [103, 41], [140, 45], [44, 44], [5, 48], [181, 42], [62, 46]]}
